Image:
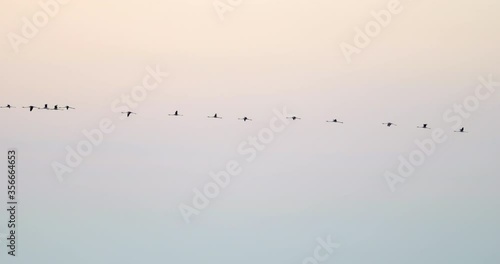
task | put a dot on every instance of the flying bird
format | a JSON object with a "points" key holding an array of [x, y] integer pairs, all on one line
{"points": [[215, 116], [68, 107], [462, 130], [56, 107], [293, 118], [31, 107], [175, 114], [334, 121], [424, 126], [7, 106], [389, 124], [245, 119], [129, 113]]}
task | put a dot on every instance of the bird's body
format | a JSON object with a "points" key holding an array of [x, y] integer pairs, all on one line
{"points": [[293, 118], [245, 119], [31, 107], [334, 121], [389, 124], [129, 113], [215, 116], [175, 114]]}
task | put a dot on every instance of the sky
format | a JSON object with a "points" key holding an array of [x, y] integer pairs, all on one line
{"points": [[311, 180]]}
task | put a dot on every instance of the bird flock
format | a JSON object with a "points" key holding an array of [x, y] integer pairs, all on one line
{"points": [[215, 116], [46, 107]]}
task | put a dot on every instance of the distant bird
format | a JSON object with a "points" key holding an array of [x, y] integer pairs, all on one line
{"points": [[389, 124], [424, 127], [293, 118], [175, 114], [129, 113], [334, 121], [245, 119], [31, 107], [215, 116], [56, 107], [462, 130], [7, 106], [68, 107]]}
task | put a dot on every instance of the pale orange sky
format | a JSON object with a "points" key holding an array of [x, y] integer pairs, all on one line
{"points": [[259, 40]]}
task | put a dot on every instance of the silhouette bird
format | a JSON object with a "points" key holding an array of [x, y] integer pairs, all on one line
{"points": [[389, 124], [129, 113], [425, 126], [175, 114], [334, 121], [462, 130], [68, 107], [56, 107], [7, 106], [31, 107], [215, 116], [245, 119], [293, 118]]}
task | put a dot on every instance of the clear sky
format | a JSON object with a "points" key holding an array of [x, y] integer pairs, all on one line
{"points": [[313, 180]]}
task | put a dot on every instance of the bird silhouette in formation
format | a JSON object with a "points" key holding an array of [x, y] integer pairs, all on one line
{"points": [[424, 126], [215, 116], [334, 121], [31, 107], [294, 118], [461, 130], [129, 113], [245, 119], [389, 124], [8, 106], [175, 114]]}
